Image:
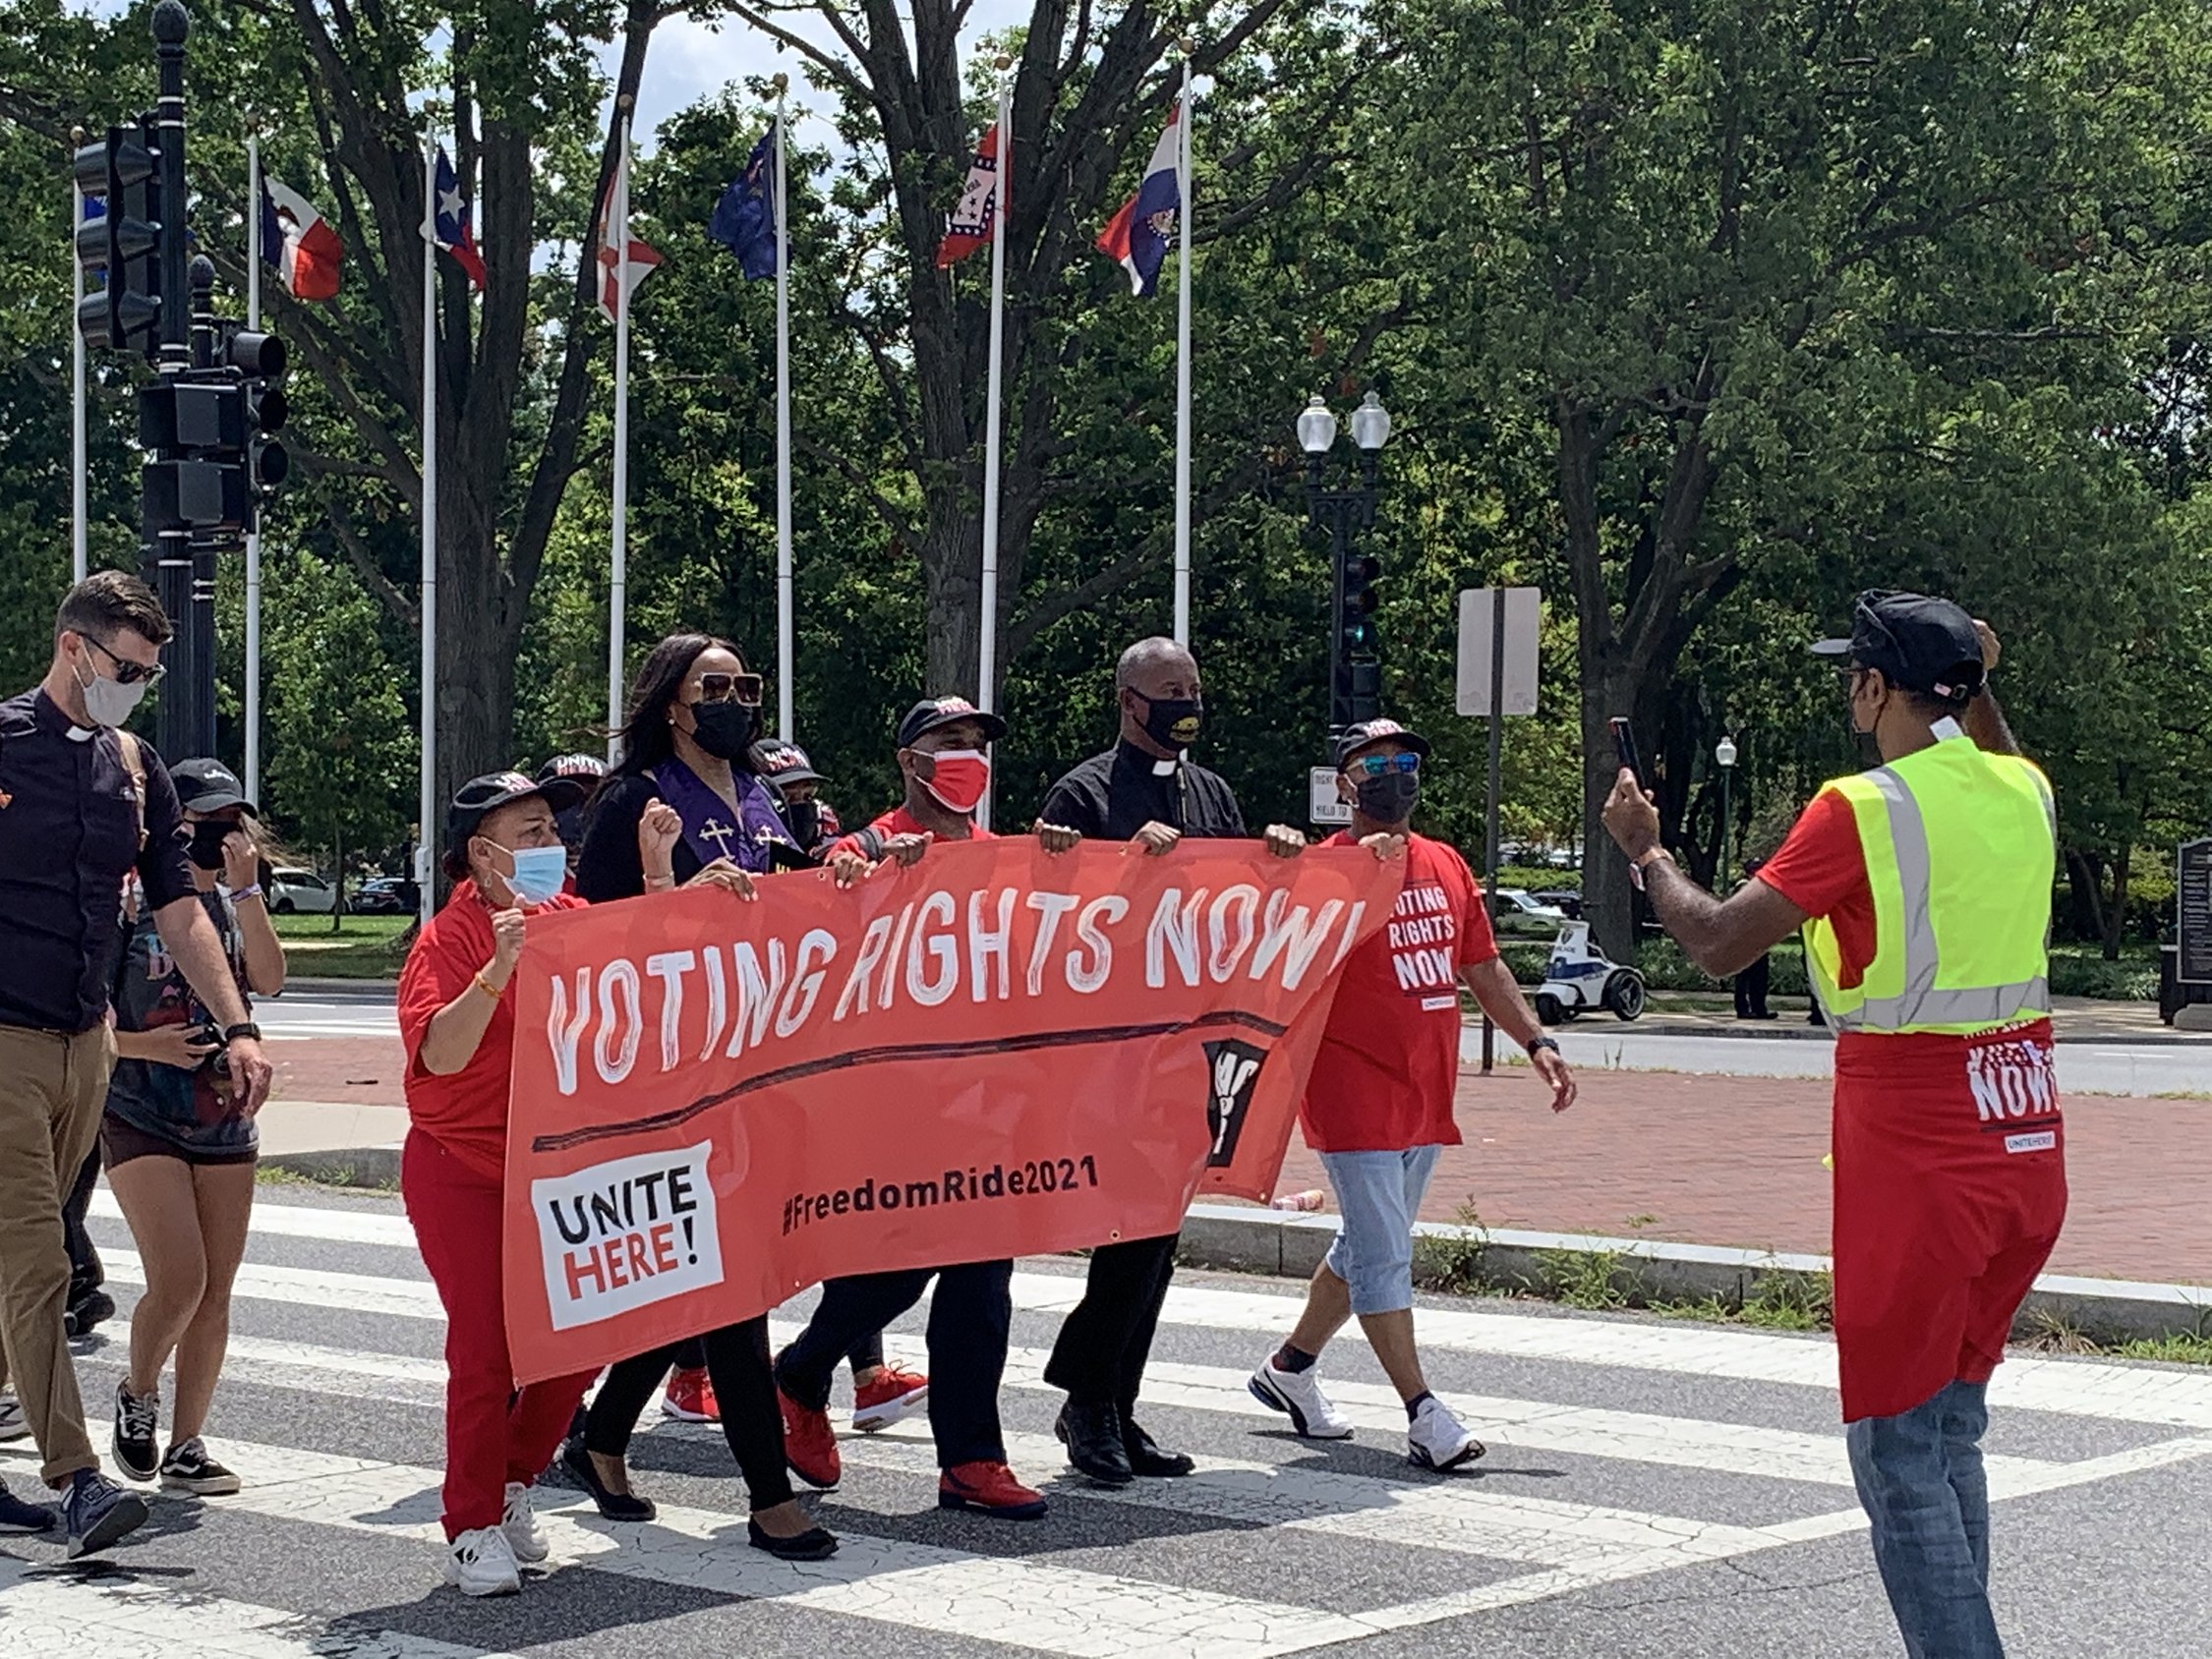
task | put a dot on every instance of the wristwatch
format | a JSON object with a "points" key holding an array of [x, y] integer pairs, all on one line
{"points": [[1643, 861], [245, 1028], [1535, 1043]]}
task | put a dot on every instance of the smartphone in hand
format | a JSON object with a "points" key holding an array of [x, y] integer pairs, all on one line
{"points": [[1624, 749]]}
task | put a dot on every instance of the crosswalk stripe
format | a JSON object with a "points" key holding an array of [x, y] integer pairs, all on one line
{"points": [[1587, 1431], [119, 1617], [2065, 1386], [1018, 1601]]}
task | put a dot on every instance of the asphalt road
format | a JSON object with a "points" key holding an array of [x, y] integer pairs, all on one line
{"points": [[2100, 1068], [1653, 1489]]}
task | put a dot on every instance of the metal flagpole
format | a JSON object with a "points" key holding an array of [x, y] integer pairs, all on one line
{"points": [[78, 556], [618, 591], [986, 670], [786, 644], [1182, 364], [253, 539], [426, 838]]}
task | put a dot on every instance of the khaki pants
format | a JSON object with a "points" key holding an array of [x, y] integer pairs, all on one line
{"points": [[53, 1089]]}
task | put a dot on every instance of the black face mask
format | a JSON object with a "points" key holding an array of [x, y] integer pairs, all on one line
{"points": [[804, 821], [1173, 723], [1390, 798], [208, 844], [726, 730]]}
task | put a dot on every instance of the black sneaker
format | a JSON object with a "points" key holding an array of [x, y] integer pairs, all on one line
{"points": [[189, 1468], [99, 1512], [137, 1423], [17, 1515], [93, 1307]]}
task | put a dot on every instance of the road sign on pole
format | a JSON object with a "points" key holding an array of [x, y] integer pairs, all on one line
{"points": [[1497, 676]]}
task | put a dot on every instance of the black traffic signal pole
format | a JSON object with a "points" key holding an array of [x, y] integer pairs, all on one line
{"points": [[1355, 677], [185, 720]]}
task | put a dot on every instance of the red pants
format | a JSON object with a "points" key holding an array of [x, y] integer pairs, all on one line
{"points": [[493, 1435]]}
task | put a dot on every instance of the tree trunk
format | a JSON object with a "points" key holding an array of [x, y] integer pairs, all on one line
{"points": [[337, 875], [2085, 874], [2115, 914]]}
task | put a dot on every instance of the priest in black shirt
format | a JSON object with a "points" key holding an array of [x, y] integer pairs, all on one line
{"points": [[1143, 790]]}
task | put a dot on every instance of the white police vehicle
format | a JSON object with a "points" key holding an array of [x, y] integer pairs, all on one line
{"points": [[1580, 980]]}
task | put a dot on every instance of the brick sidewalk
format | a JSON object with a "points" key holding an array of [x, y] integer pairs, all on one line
{"points": [[1708, 1160]]}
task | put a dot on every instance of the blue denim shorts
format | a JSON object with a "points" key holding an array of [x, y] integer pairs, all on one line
{"points": [[1379, 1194]]}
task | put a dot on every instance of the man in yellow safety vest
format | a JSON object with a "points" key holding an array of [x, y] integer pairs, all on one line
{"points": [[1923, 889]]}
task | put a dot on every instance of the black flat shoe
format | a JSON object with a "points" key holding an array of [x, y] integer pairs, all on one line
{"points": [[1092, 1435], [1146, 1456], [614, 1505], [813, 1544]]}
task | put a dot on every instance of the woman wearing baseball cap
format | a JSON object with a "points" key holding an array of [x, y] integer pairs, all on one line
{"points": [[456, 1024], [179, 1151]]}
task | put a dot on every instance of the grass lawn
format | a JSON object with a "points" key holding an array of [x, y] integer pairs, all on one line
{"points": [[363, 947]]}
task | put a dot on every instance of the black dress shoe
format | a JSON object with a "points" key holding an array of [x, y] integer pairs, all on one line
{"points": [[614, 1505], [1092, 1435], [1146, 1457], [813, 1544]]}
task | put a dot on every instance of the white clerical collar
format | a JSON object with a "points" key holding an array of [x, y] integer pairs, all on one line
{"points": [[1166, 768], [82, 734]]}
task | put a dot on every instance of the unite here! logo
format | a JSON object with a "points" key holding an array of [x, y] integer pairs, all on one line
{"points": [[625, 1234]]}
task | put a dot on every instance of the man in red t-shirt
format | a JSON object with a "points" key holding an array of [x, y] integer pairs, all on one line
{"points": [[1378, 1102], [1949, 1153]]}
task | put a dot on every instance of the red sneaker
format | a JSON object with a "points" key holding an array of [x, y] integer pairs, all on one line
{"points": [[990, 1488], [896, 1394], [810, 1444], [691, 1398]]}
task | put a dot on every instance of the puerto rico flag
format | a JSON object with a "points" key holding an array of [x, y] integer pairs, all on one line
{"points": [[451, 223], [1142, 233], [299, 243], [976, 219], [643, 258]]}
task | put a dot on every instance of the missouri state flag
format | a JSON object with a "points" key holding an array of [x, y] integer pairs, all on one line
{"points": [[299, 243], [1142, 233], [975, 220]]}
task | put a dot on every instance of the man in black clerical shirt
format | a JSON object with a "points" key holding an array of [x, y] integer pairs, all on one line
{"points": [[1145, 790]]}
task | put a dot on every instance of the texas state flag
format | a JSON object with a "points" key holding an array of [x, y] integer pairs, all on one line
{"points": [[450, 222], [1143, 231], [300, 243]]}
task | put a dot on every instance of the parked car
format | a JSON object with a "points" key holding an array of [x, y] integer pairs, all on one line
{"points": [[1566, 900], [302, 893], [1520, 913], [385, 895]]}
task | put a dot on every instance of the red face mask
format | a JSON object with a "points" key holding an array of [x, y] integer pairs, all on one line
{"points": [[958, 777]]}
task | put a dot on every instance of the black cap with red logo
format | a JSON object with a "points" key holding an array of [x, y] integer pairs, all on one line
{"points": [[933, 711]]}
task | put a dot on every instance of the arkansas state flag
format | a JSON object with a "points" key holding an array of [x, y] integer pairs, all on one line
{"points": [[299, 243], [1141, 233], [977, 218], [643, 259]]}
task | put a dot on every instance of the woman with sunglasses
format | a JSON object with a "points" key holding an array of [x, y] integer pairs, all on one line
{"points": [[683, 807]]}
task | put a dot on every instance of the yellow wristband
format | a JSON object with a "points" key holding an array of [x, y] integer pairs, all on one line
{"points": [[486, 986]]}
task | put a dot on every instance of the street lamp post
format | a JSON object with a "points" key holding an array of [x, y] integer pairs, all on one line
{"points": [[1724, 752], [1355, 666]]}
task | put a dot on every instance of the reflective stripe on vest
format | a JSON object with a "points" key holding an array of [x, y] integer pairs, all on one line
{"points": [[2002, 926]]}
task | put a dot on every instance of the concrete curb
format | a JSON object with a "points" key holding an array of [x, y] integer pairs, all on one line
{"points": [[376, 1168], [1248, 1240]]}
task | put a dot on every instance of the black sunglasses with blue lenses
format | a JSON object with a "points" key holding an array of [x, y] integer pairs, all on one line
{"points": [[1382, 765]]}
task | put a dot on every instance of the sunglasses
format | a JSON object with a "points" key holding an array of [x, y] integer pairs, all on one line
{"points": [[1382, 766], [731, 688], [127, 672]]}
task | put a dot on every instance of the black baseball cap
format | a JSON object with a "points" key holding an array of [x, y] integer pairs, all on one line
{"points": [[782, 762], [1919, 643], [934, 711], [588, 770], [209, 786], [497, 789], [1369, 733]]}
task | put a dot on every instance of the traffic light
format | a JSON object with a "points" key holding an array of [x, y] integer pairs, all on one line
{"points": [[124, 242], [261, 358], [1356, 601], [194, 426]]}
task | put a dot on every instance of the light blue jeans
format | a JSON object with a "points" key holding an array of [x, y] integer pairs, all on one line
{"points": [[1920, 1478], [1379, 1194]]}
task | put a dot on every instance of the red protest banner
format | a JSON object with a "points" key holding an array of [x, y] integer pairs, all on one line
{"points": [[997, 1053]]}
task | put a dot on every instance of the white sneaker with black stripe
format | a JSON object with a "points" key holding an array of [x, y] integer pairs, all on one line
{"points": [[1298, 1395], [481, 1563], [1437, 1440], [13, 1424], [525, 1537]]}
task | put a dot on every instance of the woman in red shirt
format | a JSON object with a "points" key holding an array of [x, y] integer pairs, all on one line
{"points": [[456, 1022]]}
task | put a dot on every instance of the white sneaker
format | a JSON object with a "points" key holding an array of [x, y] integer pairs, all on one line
{"points": [[525, 1537], [13, 1425], [1437, 1440], [1298, 1395], [481, 1563]]}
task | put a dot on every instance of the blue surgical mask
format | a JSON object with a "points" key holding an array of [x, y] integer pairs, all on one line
{"points": [[539, 873]]}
